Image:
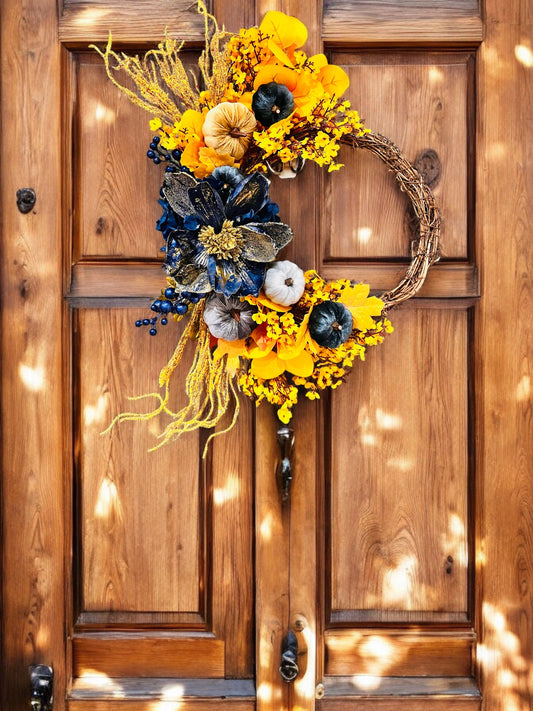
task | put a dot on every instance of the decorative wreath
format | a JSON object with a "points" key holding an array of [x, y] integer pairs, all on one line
{"points": [[259, 325]]}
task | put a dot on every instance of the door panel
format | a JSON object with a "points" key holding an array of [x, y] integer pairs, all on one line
{"points": [[397, 451], [419, 100]]}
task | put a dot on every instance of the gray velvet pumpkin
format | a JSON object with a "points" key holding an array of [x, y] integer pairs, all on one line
{"points": [[229, 318]]}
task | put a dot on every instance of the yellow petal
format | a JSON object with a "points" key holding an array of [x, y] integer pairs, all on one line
{"points": [[281, 75], [269, 367], [334, 80], [362, 315], [285, 30], [263, 343], [318, 61], [192, 121], [354, 295], [279, 53], [232, 348], [265, 301], [303, 365]]}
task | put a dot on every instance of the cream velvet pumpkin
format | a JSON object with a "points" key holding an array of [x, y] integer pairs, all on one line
{"points": [[284, 283], [228, 128]]}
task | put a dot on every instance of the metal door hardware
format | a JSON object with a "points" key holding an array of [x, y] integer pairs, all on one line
{"points": [[286, 442], [42, 687], [26, 199], [288, 668]]}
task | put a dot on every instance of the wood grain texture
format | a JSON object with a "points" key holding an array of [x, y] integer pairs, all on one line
{"points": [[398, 526], [94, 284], [135, 558], [287, 595], [148, 705], [505, 343], [409, 703], [230, 462], [398, 653], [116, 186], [84, 21], [33, 500], [409, 22], [419, 101], [171, 689], [156, 655], [272, 566], [304, 617]]}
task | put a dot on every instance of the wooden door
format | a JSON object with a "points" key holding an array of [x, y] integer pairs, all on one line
{"points": [[403, 561]]}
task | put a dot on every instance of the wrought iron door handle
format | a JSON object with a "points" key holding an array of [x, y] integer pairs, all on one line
{"points": [[288, 668], [285, 437], [42, 687]]}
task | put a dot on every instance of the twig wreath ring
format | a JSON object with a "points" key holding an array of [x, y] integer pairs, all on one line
{"points": [[259, 324]]}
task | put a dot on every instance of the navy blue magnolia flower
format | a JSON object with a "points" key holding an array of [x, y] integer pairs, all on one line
{"points": [[221, 232]]}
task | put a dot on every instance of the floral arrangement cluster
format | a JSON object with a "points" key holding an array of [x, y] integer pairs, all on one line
{"points": [[260, 325]]}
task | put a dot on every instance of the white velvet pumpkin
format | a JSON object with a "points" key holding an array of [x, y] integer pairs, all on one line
{"points": [[284, 283]]}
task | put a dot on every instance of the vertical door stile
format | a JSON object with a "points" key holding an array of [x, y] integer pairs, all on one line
{"points": [[32, 386]]}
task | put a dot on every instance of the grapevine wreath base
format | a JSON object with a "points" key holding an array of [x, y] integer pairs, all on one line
{"points": [[258, 325]]}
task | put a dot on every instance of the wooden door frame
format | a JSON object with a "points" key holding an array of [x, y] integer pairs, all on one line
{"points": [[34, 360]]}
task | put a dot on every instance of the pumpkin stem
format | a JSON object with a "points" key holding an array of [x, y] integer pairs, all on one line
{"points": [[276, 109], [237, 133], [289, 282], [336, 325], [236, 315]]}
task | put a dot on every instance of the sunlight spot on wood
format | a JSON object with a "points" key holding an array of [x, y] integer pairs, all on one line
{"points": [[306, 685], [367, 438], [264, 692], [454, 540], [107, 499], [171, 695], [90, 16], [33, 378], [435, 75], [228, 492], [364, 234], [401, 464], [265, 528], [496, 150], [524, 55], [493, 617], [100, 680], [398, 582], [366, 682], [379, 656], [166, 705], [506, 678], [523, 390], [103, 114], [95, 413], [387, 421]]}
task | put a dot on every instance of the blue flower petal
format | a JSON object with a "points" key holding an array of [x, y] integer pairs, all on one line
{"points": [[208, 205], [250, 195], [252, 276], [191, 222]]}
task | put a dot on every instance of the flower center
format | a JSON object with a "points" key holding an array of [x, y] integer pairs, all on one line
{"points": [[226, 244]]}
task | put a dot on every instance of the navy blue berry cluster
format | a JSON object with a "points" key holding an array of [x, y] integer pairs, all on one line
{"points": [[157, 154]]}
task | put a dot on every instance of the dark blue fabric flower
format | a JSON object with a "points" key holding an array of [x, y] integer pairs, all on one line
{"points": [[221, 232]]}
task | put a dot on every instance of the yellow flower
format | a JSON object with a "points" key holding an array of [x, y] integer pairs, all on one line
{"points": [[361, 306], [155, 124]]}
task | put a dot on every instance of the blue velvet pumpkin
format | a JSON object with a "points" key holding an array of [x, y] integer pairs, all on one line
{"points": [[330, 324], [272, 102]]}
